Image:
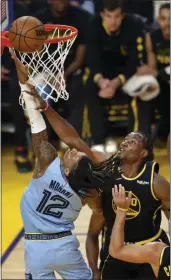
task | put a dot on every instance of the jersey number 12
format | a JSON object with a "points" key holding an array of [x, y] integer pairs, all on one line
{"points": [[48, 209]]}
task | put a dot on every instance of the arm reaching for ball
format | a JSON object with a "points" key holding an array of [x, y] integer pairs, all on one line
{"points": [[61, 127], [43, 150]]}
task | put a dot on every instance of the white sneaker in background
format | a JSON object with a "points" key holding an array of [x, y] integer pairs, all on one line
{"points": [[111, 146], [98, 148]]}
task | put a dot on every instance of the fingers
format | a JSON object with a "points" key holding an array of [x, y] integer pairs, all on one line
{"points": [[129, 198], [13, 55]]}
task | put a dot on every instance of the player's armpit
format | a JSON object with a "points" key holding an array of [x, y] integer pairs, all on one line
{"points": [[161, 188], [134, 253], [45, 153]]}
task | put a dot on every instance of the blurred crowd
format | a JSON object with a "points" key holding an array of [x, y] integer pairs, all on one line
{"points": [[118, 40]]}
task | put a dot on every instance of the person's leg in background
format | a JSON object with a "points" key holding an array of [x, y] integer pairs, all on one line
{"points": [[163, 104], [76, 101], [140, 115], [95, 115], [21, 150]]}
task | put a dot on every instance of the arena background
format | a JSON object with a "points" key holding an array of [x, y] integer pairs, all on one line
{"points": [[14, 183]]}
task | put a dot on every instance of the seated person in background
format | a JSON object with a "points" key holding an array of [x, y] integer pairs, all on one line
{"points": [[158, 47], [87, 5], [116, 47], [61, 12], [157, 254]]}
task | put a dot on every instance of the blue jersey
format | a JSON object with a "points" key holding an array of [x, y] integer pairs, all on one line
{"points": [[49, 205]]}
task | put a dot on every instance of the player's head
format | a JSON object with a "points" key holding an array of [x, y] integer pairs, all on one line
{"points": [[71, 160], [135, 148], [112, 14], [59, 6], [81, 172], [164, 19]]}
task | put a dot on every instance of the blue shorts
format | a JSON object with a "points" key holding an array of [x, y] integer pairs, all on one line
{"points": [[62, 255]]}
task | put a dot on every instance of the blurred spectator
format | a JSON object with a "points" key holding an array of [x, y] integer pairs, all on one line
{"points": [[143, 8], [87, 5], [158, 46], [27, 7], [98, 6], [115, 49], [61, 12]]}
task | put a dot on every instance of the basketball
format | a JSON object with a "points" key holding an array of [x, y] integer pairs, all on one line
{"points": [[27, 34]]}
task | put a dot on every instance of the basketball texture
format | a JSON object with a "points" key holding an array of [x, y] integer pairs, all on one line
{"points": [[27, 34]]}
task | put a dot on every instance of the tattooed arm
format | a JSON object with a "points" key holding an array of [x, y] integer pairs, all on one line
{"points": [[43, 150], [45, 153]]}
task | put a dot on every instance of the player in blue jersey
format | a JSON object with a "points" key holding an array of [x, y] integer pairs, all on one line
{"points": [[56, 193]]}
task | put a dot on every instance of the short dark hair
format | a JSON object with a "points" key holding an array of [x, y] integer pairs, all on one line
{"points": [[164, 6], [112, 5], [148, 145]]}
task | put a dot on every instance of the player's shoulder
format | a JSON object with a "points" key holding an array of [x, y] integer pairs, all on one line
{"points": [[161, 186], [158, 179]]}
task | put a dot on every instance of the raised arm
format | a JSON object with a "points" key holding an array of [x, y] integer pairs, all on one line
{"points": [[63, 129], [134, 253], [43, 150]]}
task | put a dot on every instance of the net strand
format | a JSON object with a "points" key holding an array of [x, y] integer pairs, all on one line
{"points": [[46, 68]]}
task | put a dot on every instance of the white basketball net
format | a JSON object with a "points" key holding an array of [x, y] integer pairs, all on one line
{"points": [[46, 67]]}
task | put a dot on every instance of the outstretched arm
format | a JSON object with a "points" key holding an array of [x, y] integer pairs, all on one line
{"points": [[134, 253], [43, 150], [63, 129]]}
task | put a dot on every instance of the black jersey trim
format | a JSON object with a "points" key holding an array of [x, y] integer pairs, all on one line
{"points": [[150, 239], [151, 181], [131, 179], [162, 253]]}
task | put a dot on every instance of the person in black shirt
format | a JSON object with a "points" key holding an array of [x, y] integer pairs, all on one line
{"points": [[62, 13], [157, 254], [150, 193], [115, 49], [158, 46]]}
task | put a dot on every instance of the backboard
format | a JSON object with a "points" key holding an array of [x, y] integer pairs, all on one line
{"points": [[6, 14]]}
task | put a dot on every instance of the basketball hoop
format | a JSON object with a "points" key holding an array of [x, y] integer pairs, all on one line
{"points": [[46, 67]]}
